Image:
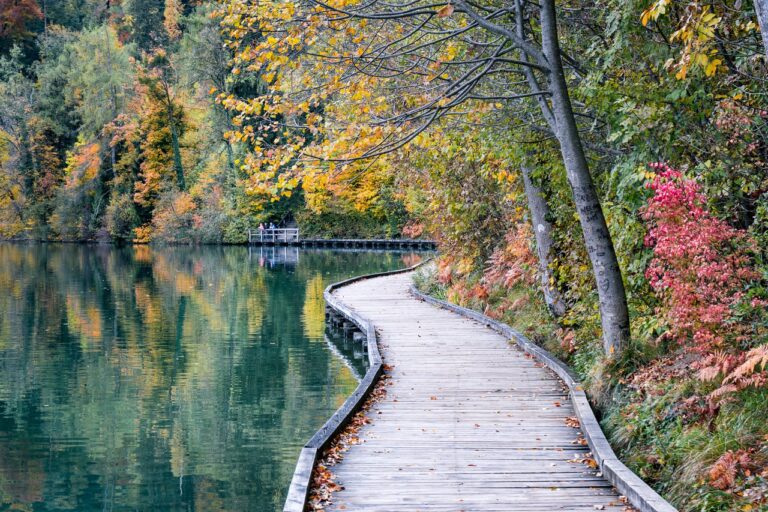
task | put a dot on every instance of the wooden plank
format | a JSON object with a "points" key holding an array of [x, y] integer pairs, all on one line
{"points": [[468, 423]]}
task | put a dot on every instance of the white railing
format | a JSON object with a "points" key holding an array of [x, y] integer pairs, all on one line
{"points": [[274, 236]]}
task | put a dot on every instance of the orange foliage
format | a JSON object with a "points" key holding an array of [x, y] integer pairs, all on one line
{"points": [[143, 234], [413, 229], [14, 16], [723, 473], [514, 263], [83, 164], [444, 271]]}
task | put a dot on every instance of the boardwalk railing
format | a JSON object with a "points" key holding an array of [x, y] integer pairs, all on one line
{"points": [[290, 236], [272, 255], [640, 494], [298, 492], [273, 236]]}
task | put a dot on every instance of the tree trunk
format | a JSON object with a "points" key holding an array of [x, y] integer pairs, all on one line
{"points": [[542, 229], [177, 156], [180, 181], [761, 9], [614, 314], [113, 93], [230, 153]]}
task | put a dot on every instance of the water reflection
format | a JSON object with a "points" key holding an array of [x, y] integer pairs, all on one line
{"points": [[165, 379]]}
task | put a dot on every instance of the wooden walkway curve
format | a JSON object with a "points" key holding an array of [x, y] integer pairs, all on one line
{"points": [[469, 422]]}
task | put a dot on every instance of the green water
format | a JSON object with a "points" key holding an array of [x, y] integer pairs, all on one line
{"points": [[165, 379]]}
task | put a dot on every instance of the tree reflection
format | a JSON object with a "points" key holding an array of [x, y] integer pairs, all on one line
{"points": [[174, 378]]}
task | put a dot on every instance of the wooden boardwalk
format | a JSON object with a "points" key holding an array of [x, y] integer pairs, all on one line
{"points": [[469, 422]]}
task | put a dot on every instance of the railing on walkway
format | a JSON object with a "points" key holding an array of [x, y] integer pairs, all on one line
{"points": [[290, 236], [273, 235]]}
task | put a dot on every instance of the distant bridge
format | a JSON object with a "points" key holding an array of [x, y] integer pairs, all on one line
{"points": [[273, 236], [290, 236]]}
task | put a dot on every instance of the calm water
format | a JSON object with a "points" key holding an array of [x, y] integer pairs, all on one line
{"points": [[165, 379]]}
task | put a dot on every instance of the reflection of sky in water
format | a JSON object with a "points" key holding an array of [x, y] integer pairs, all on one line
{"points": [[170, 379]]}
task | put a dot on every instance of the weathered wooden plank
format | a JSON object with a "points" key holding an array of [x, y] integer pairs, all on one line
{"points": [[469, 423], [468, 420]]}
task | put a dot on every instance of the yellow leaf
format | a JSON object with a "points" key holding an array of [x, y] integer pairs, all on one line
{"points": [[646, 17], [711, 68]]}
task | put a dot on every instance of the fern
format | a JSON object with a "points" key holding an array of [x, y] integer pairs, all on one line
{"points": [[754, 359]]}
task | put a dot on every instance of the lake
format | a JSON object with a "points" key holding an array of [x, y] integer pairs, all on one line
{"points": [[143, 378]]}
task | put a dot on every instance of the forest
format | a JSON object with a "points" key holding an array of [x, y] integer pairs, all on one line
{"points": [[111, 130], [594, 173]]}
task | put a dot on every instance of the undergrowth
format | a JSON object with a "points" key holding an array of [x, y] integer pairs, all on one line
{"points": [[700, 463]]}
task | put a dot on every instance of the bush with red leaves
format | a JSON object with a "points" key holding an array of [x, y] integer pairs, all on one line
{"points": [[701, 265]]}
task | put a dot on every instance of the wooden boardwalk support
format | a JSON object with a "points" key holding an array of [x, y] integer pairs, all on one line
{"points": [[469, 422]]}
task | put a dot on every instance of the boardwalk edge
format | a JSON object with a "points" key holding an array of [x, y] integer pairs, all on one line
{"points": [[298, 491], [640, 494]]}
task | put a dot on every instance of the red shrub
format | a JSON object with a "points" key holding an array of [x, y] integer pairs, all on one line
{"points": [[701, 265], [702, 268]]}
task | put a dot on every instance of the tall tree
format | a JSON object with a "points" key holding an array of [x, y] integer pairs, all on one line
{"points": [[439, 59], [17, 99], [162, 124], [100, 78], [16, 16], [172, 18], [159, 78], [542, 230], [204, 66], [145, 18]]}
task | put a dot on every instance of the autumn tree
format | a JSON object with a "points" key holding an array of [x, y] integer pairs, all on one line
{"points": [[17, 96], [16, 16], [171, 18], [440, 60], [145, 19], [161, 126], [710, 35], [157, 78]]}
